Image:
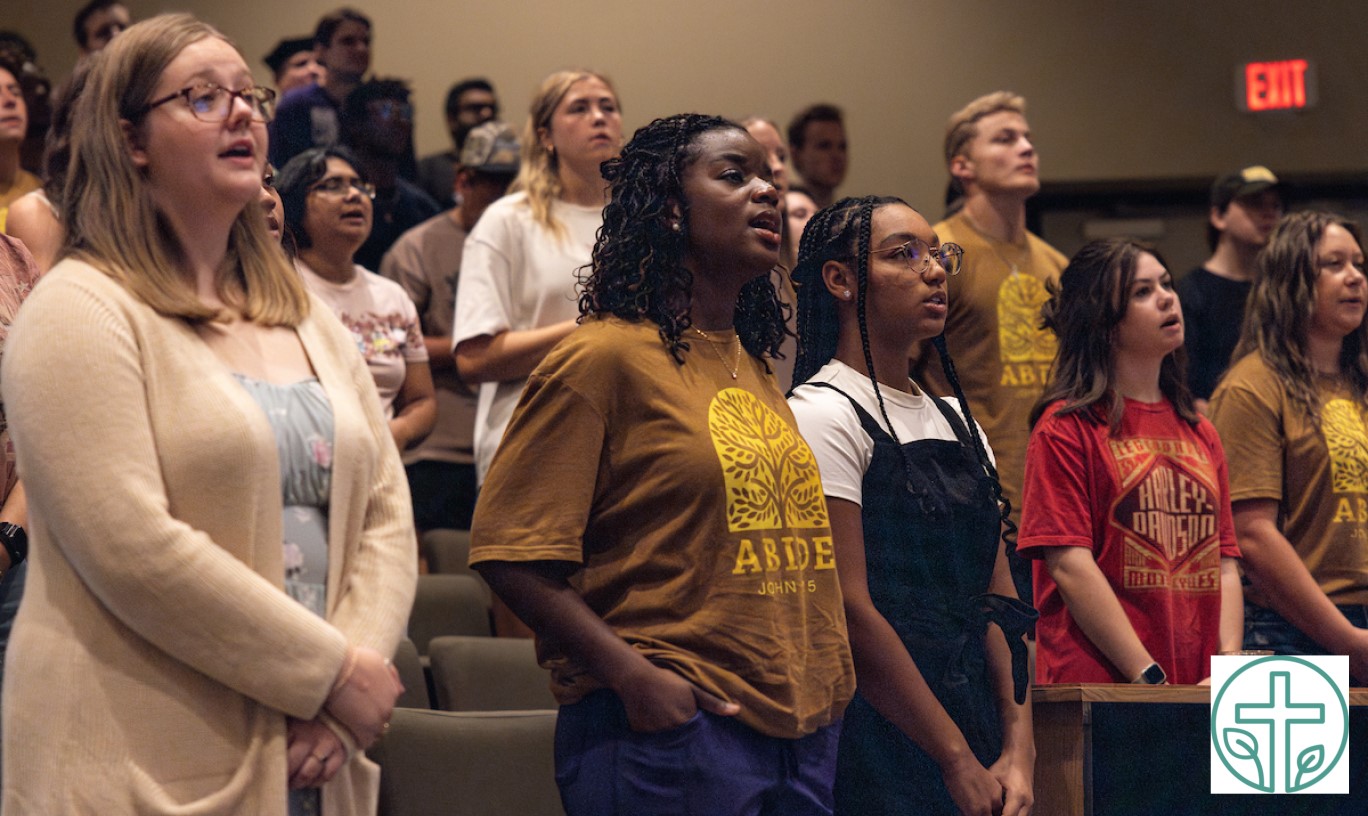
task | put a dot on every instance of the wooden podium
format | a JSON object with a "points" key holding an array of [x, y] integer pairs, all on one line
{"points": [[1124, 750]]}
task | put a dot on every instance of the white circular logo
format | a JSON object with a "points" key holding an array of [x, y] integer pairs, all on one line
{"points": [[1279, 724]]}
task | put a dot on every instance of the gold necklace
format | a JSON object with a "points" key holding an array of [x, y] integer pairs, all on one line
{"points": [[1012, 267], [732, 369]]}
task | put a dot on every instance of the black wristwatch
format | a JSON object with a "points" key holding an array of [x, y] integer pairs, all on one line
{"points": [[15, 541], [1153, 675]]}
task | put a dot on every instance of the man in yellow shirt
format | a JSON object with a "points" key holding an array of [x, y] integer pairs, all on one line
{"points": [[992, 328]]}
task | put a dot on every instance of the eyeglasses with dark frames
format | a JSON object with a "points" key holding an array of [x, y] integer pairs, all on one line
{"points": [[213, 103], [917, 255], [339, 186]]}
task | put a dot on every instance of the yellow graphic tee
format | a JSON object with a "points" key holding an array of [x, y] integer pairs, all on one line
{"points": [[993, 332], [695, 511], [1318, 475]]}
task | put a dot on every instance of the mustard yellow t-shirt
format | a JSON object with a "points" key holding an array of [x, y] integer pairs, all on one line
{"points": [[696, 513], [1318, 476], [993, 332]]}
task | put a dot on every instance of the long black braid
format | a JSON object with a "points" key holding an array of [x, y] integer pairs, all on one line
{"points": [[827, 237], [841, 232], [636, 270], [1009, 527]]}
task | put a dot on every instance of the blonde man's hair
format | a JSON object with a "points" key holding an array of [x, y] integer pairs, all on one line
{"points": [[963, 124], [107, 206], [539, 173]]}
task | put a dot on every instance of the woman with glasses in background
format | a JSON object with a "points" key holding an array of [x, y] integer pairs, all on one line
{"points": [[327, 208], [174, 655], [939, 722]]}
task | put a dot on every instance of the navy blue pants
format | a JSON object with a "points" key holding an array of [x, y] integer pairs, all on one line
{"points": [[1266, 629], [709, 766]]}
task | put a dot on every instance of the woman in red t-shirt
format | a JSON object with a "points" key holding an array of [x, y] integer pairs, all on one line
{"points": [[1126, 502]]}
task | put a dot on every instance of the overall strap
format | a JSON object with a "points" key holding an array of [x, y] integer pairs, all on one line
{"points": [[956, 422], [869, 423], [962, 431]]}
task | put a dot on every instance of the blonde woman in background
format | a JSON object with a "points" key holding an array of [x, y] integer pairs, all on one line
{"points": [[517, 297]]}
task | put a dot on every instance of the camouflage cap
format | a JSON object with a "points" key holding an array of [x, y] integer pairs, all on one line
{"points": [[491, 147]]}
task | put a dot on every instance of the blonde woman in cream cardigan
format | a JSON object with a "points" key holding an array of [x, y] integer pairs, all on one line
{"points": [[158, 664]]}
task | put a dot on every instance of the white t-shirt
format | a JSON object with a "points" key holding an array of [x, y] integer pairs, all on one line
{"points": [[832, 428], [517, 275], [383, 320]]}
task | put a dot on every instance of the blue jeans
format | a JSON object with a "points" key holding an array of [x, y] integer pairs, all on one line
{"points": [[11, 593], [1266, 629], [709, 766]]}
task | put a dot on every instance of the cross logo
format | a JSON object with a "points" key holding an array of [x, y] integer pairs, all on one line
{"points": [[1279, 724]]}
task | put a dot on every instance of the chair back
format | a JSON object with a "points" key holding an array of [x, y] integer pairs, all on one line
{"points": [[468, 763], [488, 674], [447, 605], [411, 674]]}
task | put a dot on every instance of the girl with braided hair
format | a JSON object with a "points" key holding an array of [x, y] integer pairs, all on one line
{"points": [[655, 517], [1127, 501], [939, 723]]}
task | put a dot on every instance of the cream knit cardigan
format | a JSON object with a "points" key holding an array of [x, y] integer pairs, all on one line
{"points": [[155, 656]]}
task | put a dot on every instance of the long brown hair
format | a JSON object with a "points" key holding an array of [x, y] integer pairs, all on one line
{"points": [[539, 173], [1083, 311], [1278, 315], [111, 219]]}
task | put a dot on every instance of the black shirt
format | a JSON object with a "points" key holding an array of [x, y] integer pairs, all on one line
{"points": [[1213, 311]]}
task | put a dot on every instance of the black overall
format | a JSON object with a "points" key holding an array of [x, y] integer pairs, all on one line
{"points": [[928, 572]]}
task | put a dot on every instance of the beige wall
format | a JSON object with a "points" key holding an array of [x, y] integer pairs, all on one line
{"points": [[1117, 91]]}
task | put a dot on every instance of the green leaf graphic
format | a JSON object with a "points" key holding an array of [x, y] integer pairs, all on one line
{"points": [[1308, 761], [1241, 744]]}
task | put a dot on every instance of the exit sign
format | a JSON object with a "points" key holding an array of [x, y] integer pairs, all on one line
{"points": [[1275, 86]]}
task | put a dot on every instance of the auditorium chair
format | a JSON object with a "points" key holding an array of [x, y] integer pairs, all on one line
{"points": [[447, 605], [494, 763], [487, 674]]}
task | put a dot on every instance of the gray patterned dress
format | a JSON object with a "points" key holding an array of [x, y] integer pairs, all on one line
{"points": [[302, 419]]}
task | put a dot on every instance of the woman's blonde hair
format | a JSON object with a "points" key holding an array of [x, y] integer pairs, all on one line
{"points": [[111, 218], [539, 174]]}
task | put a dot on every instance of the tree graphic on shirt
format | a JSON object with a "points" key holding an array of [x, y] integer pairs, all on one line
{"points": [[1020, 336], [769, 471], [1342, 426]]}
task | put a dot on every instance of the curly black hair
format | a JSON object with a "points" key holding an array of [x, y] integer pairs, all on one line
{"points": [[841, 232], [637, 269]]}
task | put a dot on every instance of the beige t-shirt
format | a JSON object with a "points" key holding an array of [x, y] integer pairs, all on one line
{"points": [[383, 321], [426, 261], [696, 513], [1319, 476], [993, 332]]}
